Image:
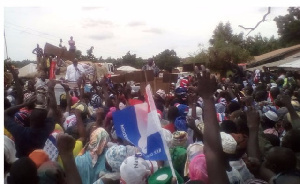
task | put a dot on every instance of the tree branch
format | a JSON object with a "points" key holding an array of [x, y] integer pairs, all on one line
{"points": [[263, 19]]}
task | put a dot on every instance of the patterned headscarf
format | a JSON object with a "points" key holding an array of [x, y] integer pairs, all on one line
{"points": [[98, 141], [96, 101], [115, 155]]}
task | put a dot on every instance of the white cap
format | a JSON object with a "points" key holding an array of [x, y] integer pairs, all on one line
{"points": [[271, 115], [228, 143]]}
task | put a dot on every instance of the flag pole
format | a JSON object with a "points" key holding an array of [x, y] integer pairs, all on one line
{"points": [[166, 148]]}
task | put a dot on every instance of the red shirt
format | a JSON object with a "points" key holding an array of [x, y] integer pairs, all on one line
{"points": [[170, 127]]}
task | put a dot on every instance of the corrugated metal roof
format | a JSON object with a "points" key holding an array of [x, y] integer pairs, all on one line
{"points": [[293, 64]]}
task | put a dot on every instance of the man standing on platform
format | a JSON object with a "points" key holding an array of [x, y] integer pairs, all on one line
{"points": [[74, 71], [72, 44], [39, 57]]}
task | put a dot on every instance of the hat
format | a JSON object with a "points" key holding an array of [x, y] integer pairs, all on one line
{"points": [[273, 85], [179, 138], [164, 176], [271, 115], [184, 82], [74, 100], [161, 93], [115, 155], [198, 112], [181, 124], [9, 150], [180, 91], [39, 157], [198, 169], [183, 109], [228, 143], [135, 170]]}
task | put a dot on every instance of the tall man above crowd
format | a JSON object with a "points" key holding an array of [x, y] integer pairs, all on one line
{"points": [[151, 66], [72, 45], [39, 57], [74, 71]]}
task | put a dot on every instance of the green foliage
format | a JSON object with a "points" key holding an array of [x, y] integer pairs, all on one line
{"points": [[258, 45], [19, 64], [226, 47], [289, 27], [167, 60], [78, 54]]}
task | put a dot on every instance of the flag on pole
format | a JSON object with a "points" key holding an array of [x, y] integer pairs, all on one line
{"points": [[140, 125]]}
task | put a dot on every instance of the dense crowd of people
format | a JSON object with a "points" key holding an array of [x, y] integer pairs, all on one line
{"points": [[239, 129]]}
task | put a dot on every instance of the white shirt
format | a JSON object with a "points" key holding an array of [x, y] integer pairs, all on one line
{"points": [[72, 74]]}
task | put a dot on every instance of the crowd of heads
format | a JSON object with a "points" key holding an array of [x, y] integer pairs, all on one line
{"points": [[85, 116]]}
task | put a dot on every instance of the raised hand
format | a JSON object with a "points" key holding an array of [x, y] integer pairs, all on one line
{"points": [[253, 119], [51, 83], [65, 143], [207, 84]]}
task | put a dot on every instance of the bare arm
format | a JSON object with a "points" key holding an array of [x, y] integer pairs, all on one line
{"points": [[68, 97], [215, 157], [295, 119], [18, 85], [52, 106], [65, 145], [79, 122], [12, 110]]}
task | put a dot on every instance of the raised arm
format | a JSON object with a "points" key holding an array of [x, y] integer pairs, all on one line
{"points": [[80, 126], [214, 155], [52, 106], [295, 119], [65, 146], [68, 97], [18, 85]]}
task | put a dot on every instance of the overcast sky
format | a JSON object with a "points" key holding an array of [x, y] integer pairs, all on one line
{"points": [[142, 27]]}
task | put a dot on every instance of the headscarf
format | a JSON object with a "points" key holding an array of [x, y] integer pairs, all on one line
{"points": [[115, 155], [39, 157], [98, 141], [178, 155], [109, 114], [198, 169], [179, 139], [192, 151], [74, 100], [96, 101]]}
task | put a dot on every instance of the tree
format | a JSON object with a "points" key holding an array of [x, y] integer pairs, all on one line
{"points": [[78, 54], [289, 27], [258, 45], [167, 60], [129, 59], [226, 48]]}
